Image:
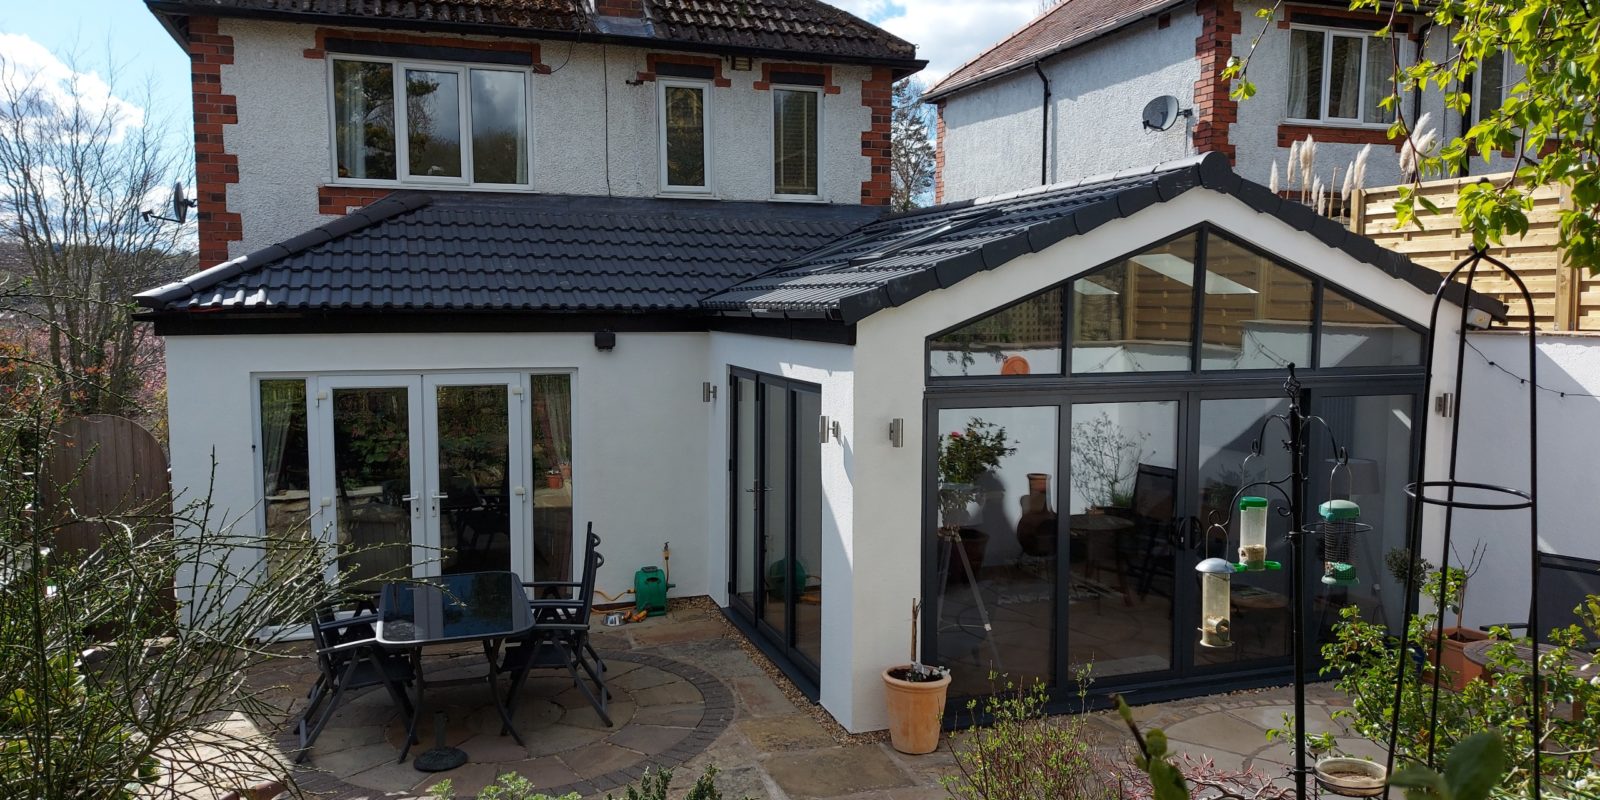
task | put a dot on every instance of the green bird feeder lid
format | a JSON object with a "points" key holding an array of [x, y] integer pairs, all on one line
{"points": [[1339, 511], [1252, 502], [1339, 574]]}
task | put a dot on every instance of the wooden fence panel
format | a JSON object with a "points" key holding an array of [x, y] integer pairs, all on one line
{"points": [[105, 466], [1562, 298]]}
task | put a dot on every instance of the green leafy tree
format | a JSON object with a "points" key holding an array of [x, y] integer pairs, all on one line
{"points": [[1546, 122]]}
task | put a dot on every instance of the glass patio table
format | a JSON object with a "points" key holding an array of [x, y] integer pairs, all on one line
{"points": [[487, 607]]}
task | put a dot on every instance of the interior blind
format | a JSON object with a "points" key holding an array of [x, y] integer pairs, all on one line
{"points": [[794, 145]]}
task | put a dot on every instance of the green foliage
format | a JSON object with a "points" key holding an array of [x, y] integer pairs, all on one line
{"points": [[1363, 658], [653, 785], [1546, 122], [965, 456], [103, 693], [1025, 753], [1472, 770], [1166, 779]]}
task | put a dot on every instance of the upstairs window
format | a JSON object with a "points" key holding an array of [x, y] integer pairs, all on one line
{"points": [[456, 124], [685, 137], [1340, 76], [1489, 85], [794, 141]]}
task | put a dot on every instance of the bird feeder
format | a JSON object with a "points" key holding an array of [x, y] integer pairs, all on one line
{"points": [[1216, 601], [1253, 533], [1339, 528]]}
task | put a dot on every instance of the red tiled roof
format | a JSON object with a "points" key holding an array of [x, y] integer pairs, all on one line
{"points": [[1070, 23], [800, 27]]}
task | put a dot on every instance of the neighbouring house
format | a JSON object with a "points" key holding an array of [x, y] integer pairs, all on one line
{"points": [[630, 266], [1063, 97]]}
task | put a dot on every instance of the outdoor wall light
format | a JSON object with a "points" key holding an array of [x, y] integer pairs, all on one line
{"points": [[605, 341], [897, 432], [824, 427], [708, 391]]}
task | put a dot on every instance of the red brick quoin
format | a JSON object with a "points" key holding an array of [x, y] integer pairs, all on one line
{"points": [[214, 167], [1214, 111], [938, 154], [877, 93], [341, 200]]}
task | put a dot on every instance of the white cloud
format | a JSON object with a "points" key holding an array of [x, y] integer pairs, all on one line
{"points": [[948, 33], [25, 62]]}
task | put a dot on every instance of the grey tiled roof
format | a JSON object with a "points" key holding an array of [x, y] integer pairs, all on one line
{"points": [[898, 258], [492, 252], [798, 27]]}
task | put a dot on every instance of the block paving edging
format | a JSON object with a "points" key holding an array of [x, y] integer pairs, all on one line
{"points": [[718, 714]]}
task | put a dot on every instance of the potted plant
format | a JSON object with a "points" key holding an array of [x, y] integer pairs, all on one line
{"points": [[915, 694], [553, 479], [1105, 463], [964, 457], [1453, 657]]}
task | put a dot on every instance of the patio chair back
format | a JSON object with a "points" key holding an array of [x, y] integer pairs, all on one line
{"points": [[348, 658], [1564, 583]]}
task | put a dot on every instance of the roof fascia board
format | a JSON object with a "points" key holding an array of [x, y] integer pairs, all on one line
{"points": [[946, 92], [178, 8]]}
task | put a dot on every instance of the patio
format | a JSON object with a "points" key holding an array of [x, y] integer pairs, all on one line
{"points": [[690, 692]]}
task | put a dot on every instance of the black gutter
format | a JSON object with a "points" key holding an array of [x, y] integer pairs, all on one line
{"points": [[1044, 126], [179, 8]]}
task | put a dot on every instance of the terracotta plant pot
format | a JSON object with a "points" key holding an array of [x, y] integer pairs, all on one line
{"points": [[916, 711], [553, 480], [1454, 658]]}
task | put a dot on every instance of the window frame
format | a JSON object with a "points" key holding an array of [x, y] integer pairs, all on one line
{"points": [[1195, 370], [772, 138], [664, 187], [1329, 33], [402, 144]]}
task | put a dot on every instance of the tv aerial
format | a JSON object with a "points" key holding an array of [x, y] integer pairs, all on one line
{"points": [[179, 206], [1160, 113]]}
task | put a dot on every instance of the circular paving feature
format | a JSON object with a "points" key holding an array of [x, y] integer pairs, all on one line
{"points": [[664, 712]]}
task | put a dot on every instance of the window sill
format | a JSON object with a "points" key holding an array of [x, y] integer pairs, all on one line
{"points": [[1292, 131], [797, 198], [686, 195]]}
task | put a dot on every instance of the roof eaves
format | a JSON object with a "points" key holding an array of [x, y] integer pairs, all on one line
{"points": [[944, 88], [391, 206]]}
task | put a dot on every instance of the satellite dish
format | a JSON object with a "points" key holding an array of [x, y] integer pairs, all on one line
{"points": [[181, 203], [1160, 113]]}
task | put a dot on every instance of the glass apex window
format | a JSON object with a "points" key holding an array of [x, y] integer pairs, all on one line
{"points": [[1141, 314]]}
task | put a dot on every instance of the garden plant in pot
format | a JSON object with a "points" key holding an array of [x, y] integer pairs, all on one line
{"points": [[1459, 670], [964, 458], [915, 694]]}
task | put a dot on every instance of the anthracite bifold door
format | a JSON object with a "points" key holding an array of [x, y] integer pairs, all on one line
{"points": [[1040, 578], [775, 524]]}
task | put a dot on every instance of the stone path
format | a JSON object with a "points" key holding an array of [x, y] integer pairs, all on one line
{"points": [[690, 693]]}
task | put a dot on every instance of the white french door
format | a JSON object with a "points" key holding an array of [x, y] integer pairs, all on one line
{"points": [[423, 474]]}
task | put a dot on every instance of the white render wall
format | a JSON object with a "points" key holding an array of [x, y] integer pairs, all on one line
{"points": [[582, 110], [1098, 93], [1100, 88], [639, 426], [1494, 449]]}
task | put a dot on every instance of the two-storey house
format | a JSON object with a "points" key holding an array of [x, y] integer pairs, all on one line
{"points": [[1063, 97], [480, 273]]}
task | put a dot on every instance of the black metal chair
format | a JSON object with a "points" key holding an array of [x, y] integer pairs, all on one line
{"points": [[348, 658], [560, 635], [1564, 583]]}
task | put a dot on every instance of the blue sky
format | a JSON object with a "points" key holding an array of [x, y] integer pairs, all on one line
{"points": [[119, 41]]}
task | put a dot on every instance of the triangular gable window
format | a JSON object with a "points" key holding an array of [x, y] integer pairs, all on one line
{"points": [[1138, 314]]}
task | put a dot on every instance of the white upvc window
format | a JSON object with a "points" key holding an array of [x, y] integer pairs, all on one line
{"points": [[1490, 84], [429, 123], [685, 145], [1340, 77], [796, 153]]}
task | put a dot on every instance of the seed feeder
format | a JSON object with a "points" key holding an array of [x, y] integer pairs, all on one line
{"points": [[1253, 533], [1339, 528], [1216, 601]]}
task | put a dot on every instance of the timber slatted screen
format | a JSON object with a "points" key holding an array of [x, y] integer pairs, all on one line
{"points": [[1563, 299], [105, 466]]}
